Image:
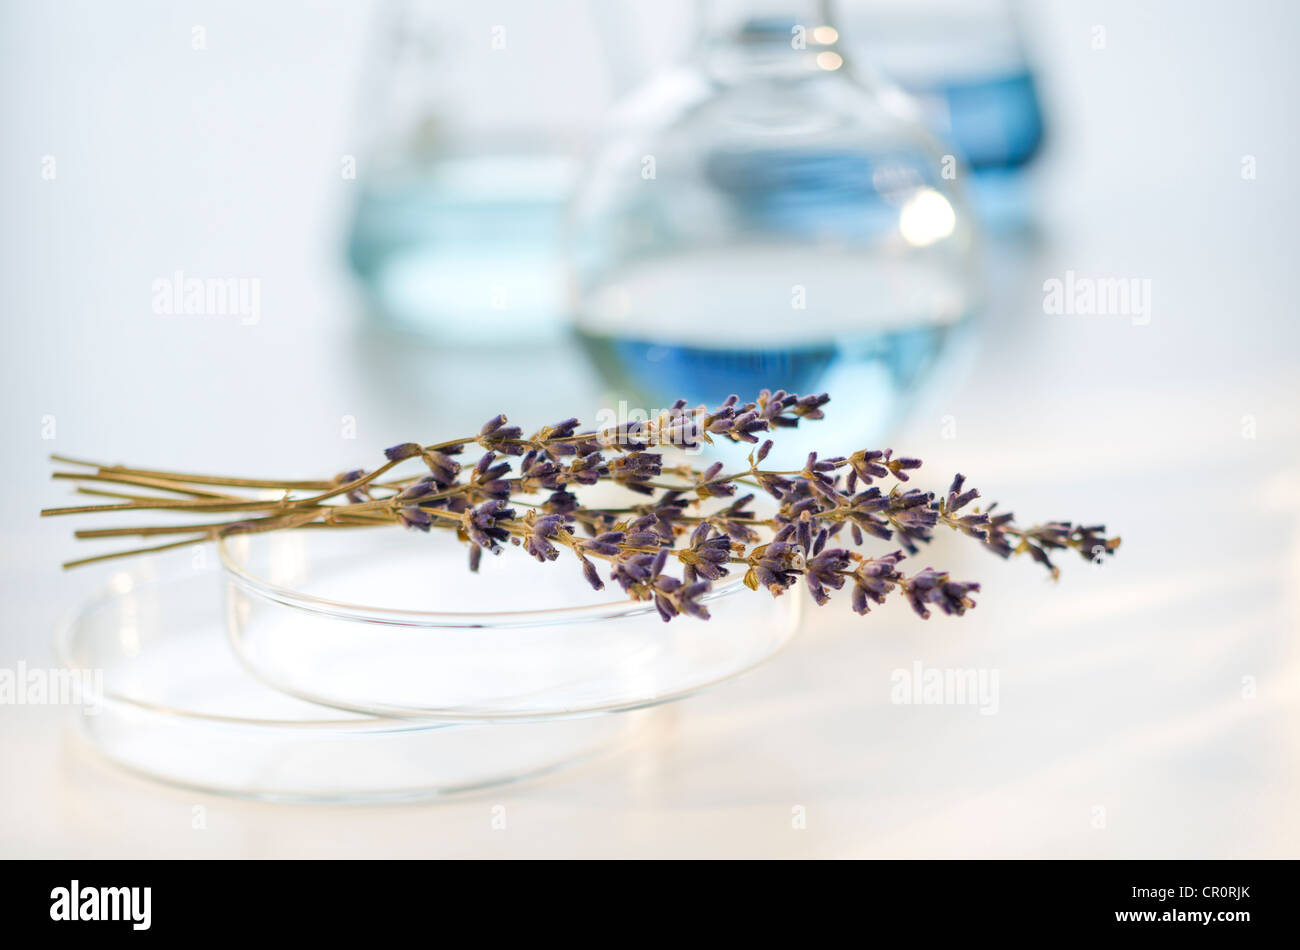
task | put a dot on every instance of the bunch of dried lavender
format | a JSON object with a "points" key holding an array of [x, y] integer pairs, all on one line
{"points": [[525, 491]]}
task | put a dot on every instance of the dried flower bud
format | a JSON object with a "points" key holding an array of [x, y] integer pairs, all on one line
{"points": [[498, 436], [399, 453], [484, 525], [934, 588], [413, 517], [873, 579]]}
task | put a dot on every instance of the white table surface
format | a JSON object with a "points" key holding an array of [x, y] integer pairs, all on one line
{"points": [[1121, 687]]}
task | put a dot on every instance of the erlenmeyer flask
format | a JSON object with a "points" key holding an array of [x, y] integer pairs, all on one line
{"points": [[474, 122], [765, 216]]}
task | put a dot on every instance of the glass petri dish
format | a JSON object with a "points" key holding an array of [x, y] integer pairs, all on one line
{"points": [[391, 623], [173, 703]]}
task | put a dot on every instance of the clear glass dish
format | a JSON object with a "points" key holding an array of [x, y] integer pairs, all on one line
{"points": [[300, 616], [177, 706]]}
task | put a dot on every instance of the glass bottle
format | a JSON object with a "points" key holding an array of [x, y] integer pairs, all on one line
{"points": [[474, 121], [764, 215], [964, 62]]}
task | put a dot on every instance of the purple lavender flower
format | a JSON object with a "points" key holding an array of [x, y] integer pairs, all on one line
{"points": [[707, 487], [499, 437], [737, 422], [899, 467], [771, 405], [996, 539], [1038, 540], [777, 564], [627, 436], [419, 490], [870, 464], [538, 471], [635, 571], [873, 579], [673, 597], [707, 554], [913, 517], [641, 576], [971, 525], [555, 438], [541, 532], [826, 570], [657, 523], [635, 469], [730, 520], [442, 468], [819, 471], [1092, 542], [804, 504], [719, 420], [958, 499], [484, 525], [744, 426], [646, 532], [867, 465], [810, 406], [587, 444], [407, 450], [586, 470], [680, 429], [413, 517], [676, 520], [783, 489], [489, 476], [778, 486], [784, 410], [606, 544], [866, 515], [821, 482], [590, 573], [828, 495], [561, 503], [931, 587]]}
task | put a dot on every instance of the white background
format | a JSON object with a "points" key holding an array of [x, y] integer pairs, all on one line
{"points": [[1120, 687]]}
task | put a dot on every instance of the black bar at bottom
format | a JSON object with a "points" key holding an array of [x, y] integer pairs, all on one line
{"points": [[1223, 900]]}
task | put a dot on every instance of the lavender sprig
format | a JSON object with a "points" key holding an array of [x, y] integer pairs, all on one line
{"points": [[528, 492]]}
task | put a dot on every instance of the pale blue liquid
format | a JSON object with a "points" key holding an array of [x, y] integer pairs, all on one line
{"points": [[872, 378], [470, 257], [995, 124]]}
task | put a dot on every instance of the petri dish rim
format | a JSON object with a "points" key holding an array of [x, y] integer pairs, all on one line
{"points": [[63, 641], [542, 619], [287, 596]]}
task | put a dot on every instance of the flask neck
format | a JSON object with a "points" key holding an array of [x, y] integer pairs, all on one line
{"points": [[767, 36]]}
